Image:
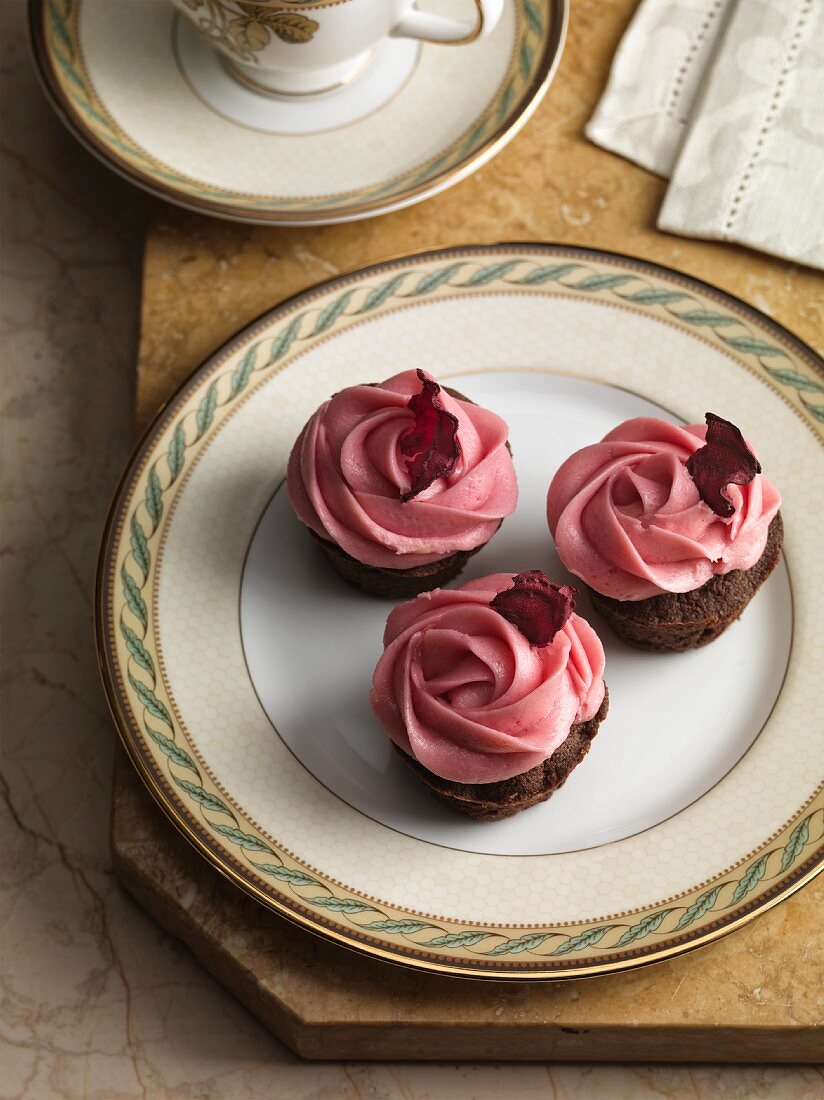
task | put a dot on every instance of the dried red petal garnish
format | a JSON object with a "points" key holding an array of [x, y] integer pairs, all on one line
{"points": [[536, 606], [724, 460], [432, 443]]}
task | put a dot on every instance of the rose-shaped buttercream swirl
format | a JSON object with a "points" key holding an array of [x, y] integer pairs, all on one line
{"points": [[346, 476], [628, 519], [461, 689]]}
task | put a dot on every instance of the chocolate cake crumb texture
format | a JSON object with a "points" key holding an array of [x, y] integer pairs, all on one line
{"points": [[394, 584], [675, 621], [493, 801]]}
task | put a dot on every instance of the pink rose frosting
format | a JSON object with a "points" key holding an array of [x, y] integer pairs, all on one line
{"points": [[346, 476], [628, 519], [461, 689]]}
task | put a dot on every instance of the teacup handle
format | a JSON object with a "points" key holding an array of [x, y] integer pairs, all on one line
{"points": [[455, 32]]}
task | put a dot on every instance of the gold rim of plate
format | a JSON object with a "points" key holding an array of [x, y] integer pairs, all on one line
{"points": [[156, 743], [54, 32]]}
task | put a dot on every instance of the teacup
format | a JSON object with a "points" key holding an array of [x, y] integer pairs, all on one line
{"points": [[306, 47]]}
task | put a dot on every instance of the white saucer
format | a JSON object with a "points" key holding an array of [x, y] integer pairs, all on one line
{"points": [[154, 101], [388, 70]]}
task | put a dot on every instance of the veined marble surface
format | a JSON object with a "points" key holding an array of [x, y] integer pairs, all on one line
{"points": [[95, 1000]]}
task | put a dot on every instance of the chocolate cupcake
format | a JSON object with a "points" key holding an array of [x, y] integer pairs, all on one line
{"points": [[492, 692], [401, 482], [673, 529]]}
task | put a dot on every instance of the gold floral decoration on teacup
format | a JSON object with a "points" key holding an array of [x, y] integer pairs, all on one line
{"points": [[247, 28]]}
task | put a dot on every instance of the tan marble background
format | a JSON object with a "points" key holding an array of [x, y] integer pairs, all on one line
{"points": [[94, 1000]]}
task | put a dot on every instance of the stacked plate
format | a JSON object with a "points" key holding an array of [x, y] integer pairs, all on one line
{"points": [[238, 666]]}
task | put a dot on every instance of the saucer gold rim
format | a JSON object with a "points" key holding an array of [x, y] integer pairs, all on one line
{"points": [[795, 852], [194, 195]]}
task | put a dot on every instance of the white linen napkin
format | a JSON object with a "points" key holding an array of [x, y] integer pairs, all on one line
{"points": [[726, 97]]}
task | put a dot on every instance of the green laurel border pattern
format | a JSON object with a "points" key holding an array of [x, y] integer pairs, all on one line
{"points": [[63, 42], [163, 474]]}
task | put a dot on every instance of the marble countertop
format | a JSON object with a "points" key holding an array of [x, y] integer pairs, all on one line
{"points": [[96, 1001]]}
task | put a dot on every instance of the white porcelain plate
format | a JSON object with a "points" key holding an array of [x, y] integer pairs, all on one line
{"points": [[150, 97], [238, 665]]}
